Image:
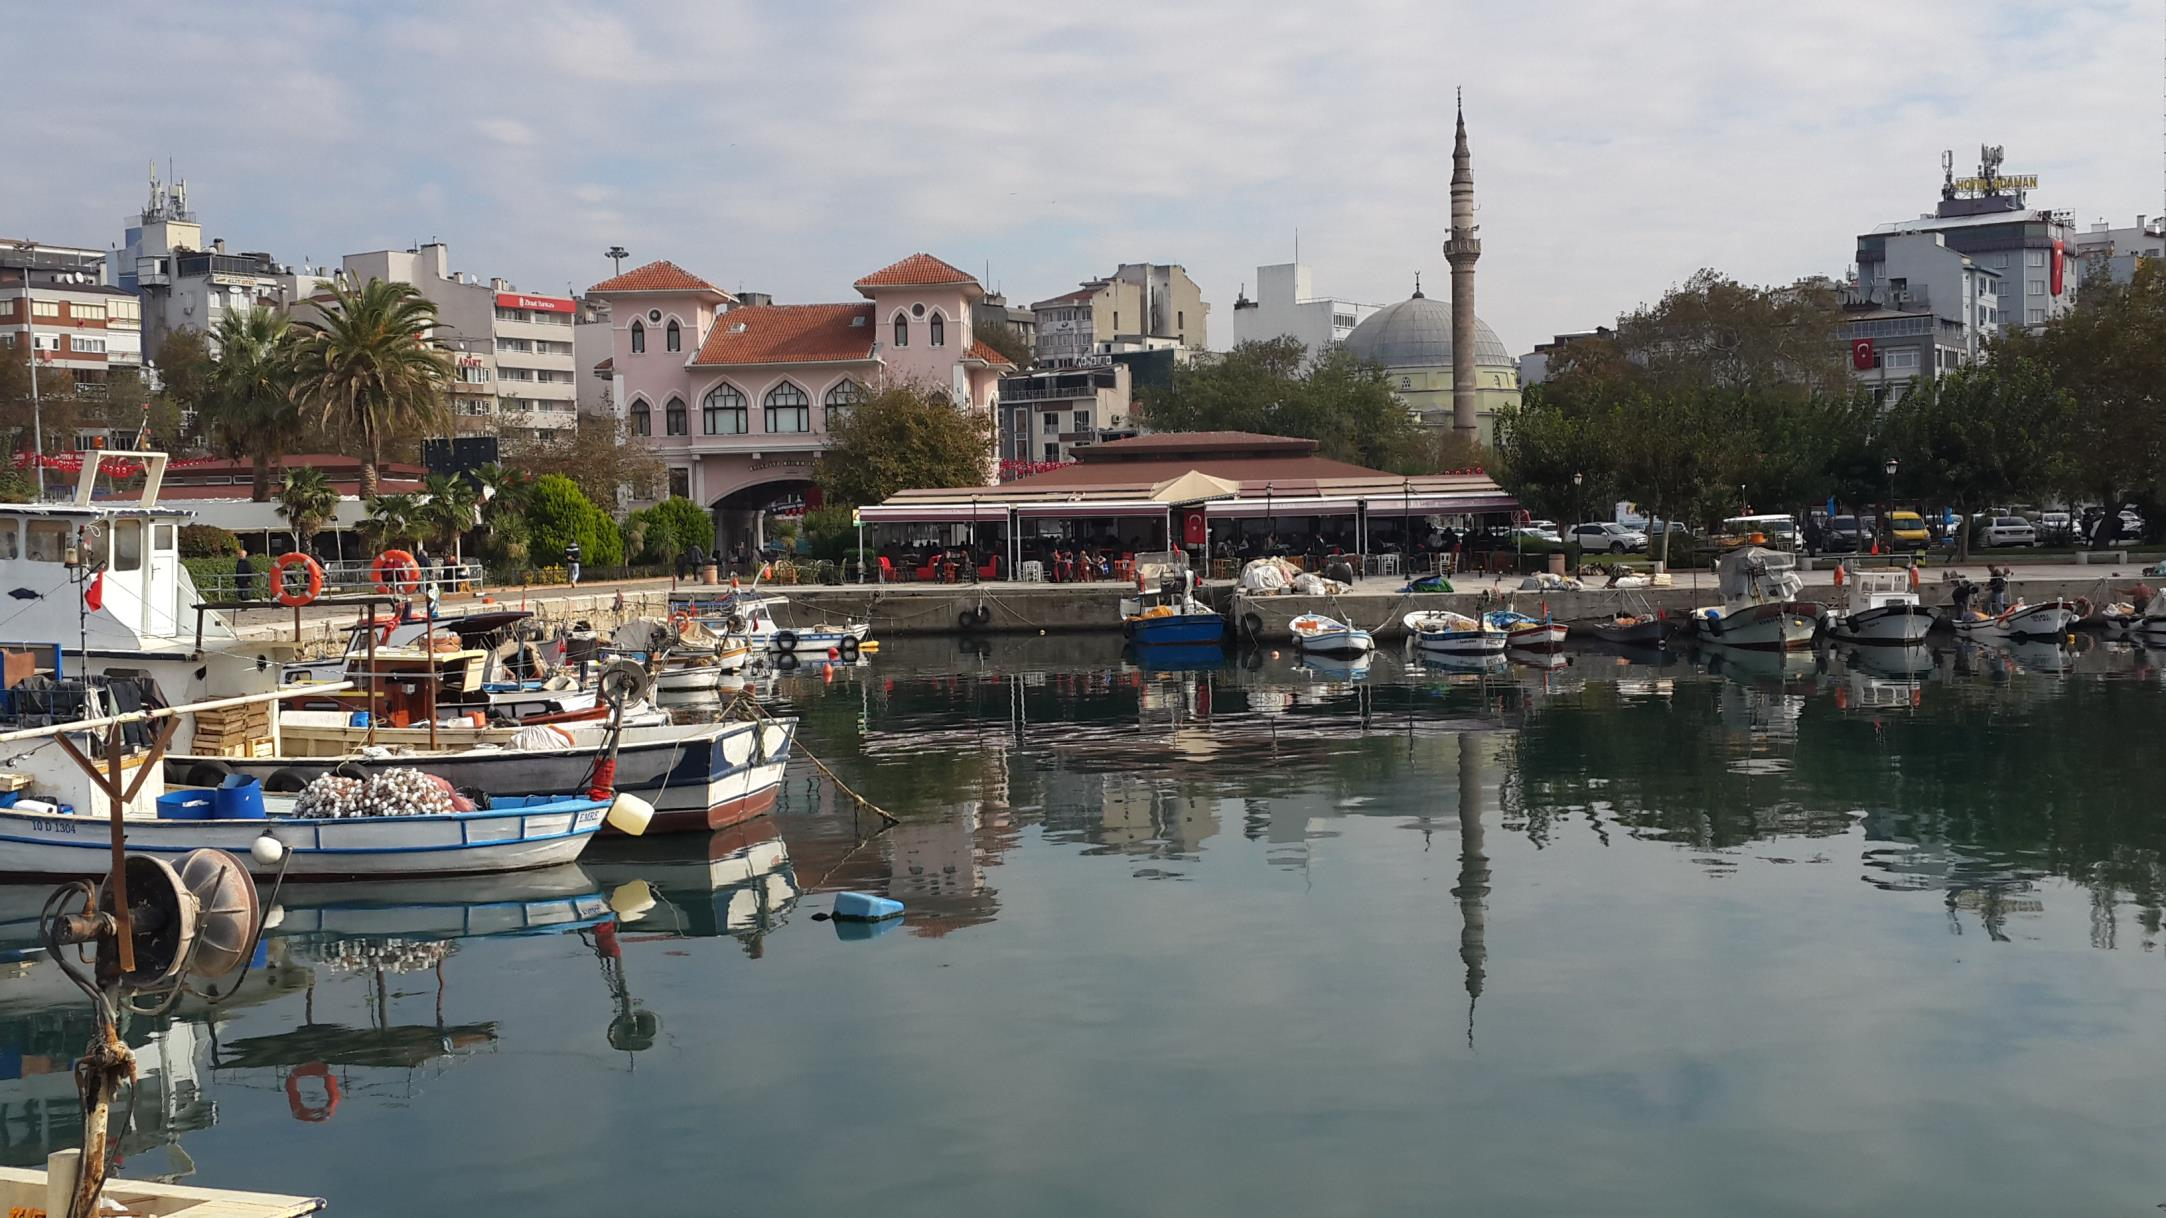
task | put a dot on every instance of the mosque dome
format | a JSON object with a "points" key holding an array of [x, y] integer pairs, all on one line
{"points": [[1417, 333]]}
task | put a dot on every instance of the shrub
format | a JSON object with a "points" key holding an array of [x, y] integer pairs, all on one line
{"points": [[559, 513], [208, 541]]}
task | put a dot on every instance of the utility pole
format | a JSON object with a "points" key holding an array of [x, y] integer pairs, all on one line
{"points": [[616, 255], [37, 409]]}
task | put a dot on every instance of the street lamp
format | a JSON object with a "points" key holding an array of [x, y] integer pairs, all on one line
{"points": [[1271, 520], [1889, 505], [1579, 513], [616, 255]]}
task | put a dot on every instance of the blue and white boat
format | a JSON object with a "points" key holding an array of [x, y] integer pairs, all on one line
{"points": [[1442, 632], [1525, 632], [751, 614], [1164, 611], [1315, 634]]}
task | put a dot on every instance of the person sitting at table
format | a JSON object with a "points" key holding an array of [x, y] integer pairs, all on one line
{"points": [[1063, 566]]}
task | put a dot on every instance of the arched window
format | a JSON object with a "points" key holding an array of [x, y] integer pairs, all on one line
{"points": [[936, 332], [788, 409], [642, 422], [672, 337], [836, 405], [902, 330], [722, 412], [673, 417], [639, 339]]}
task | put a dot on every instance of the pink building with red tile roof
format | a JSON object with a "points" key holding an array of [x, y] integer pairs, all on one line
{"points": [[735, 398]]}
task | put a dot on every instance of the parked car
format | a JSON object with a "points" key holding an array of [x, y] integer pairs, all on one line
{"points": [[2056, 528], [1906, 531], [1609, 535], [2003, 531], [1844, 535]]}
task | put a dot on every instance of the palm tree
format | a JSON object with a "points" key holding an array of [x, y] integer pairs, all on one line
{"points": [[366, 366], [449, 510], [249, 404], [308, 501], [393, 519]]}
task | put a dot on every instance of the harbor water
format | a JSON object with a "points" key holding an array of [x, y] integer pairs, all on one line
{"points": [[1662, 935]]}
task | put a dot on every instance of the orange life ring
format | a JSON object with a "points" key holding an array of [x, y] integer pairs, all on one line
{"points": [[1913, 577], [680, 619], [396, 571], [286, 595], [298, 1104]]}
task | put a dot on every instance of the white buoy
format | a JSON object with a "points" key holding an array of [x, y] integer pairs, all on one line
{"points": [[629, 814], [267, 850], [631, 900]]}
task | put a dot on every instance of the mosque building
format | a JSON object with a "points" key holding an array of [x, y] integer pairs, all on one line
{"points": [[1456, 376]]}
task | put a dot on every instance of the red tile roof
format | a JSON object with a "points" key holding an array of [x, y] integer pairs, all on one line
{"points": [[916, 271], [1065, 297], [658, 276], [979, 351], [1197, 443], [607, 364], [789, 334]]}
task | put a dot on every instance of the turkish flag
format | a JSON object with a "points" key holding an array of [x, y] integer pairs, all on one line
{"points": [[1861, 354], [94, 593], [2060, 260]]}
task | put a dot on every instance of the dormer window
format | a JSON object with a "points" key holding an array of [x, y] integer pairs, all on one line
{"points": [[902, 330]]}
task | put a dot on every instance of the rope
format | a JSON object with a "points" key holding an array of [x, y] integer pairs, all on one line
{"points": [[756, 711]]}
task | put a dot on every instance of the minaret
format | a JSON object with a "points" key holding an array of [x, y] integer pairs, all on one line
{"points": [[1472, 890], [1462, 251]]}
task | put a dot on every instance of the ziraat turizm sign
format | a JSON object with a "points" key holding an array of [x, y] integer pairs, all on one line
{"points": [[533, 304]]}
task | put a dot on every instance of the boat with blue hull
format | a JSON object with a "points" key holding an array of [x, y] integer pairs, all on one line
{"points": [[1164, 612]]}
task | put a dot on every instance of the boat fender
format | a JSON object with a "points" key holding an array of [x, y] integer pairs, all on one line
{"points": [[983, 614], [785, 641], [629, 814], [786, 661], [2083, 607], [1913, 577], [208, 773], [312, 576], [736, 623], [967, 619], [286, 781], [1840, 568], [847, 648], [296, 1102], [1253, 623]]}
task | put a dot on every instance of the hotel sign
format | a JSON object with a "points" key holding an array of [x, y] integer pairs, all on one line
{"points": [[533, 304], [1997, 184]]}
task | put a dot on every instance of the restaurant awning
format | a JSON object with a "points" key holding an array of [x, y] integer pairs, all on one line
{"points": [[1096, 509], [932, 513]]}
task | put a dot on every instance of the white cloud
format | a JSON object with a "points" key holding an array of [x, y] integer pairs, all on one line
{"points": [[1618, 147]]}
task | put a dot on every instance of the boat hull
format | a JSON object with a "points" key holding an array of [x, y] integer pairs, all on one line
{"points": [[1176, 629], [673, 772], [1894, 625], [1535, 636], [461, 843], [1639, 634], [1341, 643], [1772, 627], [1461, 642], [733, 799], [2051, 620]]}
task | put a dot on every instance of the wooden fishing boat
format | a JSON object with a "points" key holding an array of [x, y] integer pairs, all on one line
{"points": [[1319, 635], [1525, 632], [1630, 629], [1447, 633]]}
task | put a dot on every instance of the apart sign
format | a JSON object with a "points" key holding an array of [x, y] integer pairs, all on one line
{"points": [[533, 304]]}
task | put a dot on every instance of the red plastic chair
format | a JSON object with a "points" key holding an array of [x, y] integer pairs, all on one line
{"points": [[991, 569], [887, 570]]}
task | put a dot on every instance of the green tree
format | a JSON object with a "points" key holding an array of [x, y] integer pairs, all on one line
{"points": [[904, 437], [448, 510], [559, 513], [595, 455], [393, 520], [248, 403], [679, 524], [1993, 430], [1553, 453], [1713, 330], [1009, 341], [365, 366], [1273, 388], [308, 502], [2109, 352], [184, 366]]}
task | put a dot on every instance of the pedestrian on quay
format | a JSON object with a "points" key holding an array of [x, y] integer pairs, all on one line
{"points": [[571, 563], [244, 577]]}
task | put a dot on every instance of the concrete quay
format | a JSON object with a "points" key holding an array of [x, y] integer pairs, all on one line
{"points": [[1029, 608]]}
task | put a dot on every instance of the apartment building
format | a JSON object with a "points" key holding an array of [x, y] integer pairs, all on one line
{"points": [[184, 283], [56, 306], [1045, 416], [1141, 306], [513, 349]]}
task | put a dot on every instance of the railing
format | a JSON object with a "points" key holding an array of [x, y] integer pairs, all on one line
{"points": [[342, 576]]}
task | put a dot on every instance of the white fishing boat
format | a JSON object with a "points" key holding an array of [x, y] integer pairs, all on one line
{"points": [[751, 614], [1446, 633], [2046, 620], [1316, 634], [1525, 632], [26, 1191], [1759, 610], [2149, 628], [1882, 607]]}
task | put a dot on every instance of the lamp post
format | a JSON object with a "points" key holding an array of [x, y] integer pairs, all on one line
{"points": [[1888, 505], [616, 255], [1406, 522], [1271, 520], [37, 410], [1578, 549]]}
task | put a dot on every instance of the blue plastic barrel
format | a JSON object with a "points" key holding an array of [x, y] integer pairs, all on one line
{"points": [[184, 805], [239, 797], [360, 719], [865, 907]]}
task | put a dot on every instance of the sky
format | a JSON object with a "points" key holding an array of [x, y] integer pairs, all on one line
{"points": [[1619, 145]]}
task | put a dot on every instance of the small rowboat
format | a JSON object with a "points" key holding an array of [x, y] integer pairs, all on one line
{"points": [[1631, 630], [1526, 632], [2049, 620], [1319, 635], [1448, 633]]}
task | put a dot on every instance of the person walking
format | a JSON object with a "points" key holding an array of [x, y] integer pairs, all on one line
{"points": [[571, 563], [244, 577]]}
